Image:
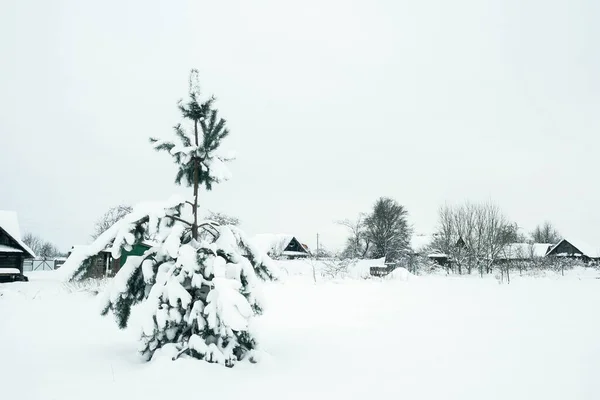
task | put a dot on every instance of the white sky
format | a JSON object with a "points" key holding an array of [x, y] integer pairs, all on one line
{"points": [[330, 105]]}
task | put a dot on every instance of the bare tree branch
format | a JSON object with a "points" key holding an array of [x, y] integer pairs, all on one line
{"points": [[545, 233], [223, 219], [109, 218]]}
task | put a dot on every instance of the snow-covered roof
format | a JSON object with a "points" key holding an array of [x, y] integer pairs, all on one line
{"points": [[9, 221], [515, 251], [437, 254], [586, 248], [148, 243], [359, 269], [419, 242], [8, 249], [273, 243]]}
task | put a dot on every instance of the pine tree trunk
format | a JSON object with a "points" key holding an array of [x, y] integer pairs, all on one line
{"points": [[195, 225], [196, 178]]}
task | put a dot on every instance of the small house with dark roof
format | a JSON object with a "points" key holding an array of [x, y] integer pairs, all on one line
{"points": [[279, 245], [13, 251]]}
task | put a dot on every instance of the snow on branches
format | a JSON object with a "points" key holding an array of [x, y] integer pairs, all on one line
{"points": [[200, 134], [197, 282], [197, 294], [144, 220]]}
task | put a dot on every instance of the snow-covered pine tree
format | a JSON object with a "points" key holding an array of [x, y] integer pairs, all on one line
{"points": [[200, 135], [197, 283]]}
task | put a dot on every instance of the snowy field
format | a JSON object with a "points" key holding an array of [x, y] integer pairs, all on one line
{"points": [[423, 338]]}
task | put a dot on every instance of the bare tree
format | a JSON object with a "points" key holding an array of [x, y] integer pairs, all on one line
{"points": [[546, 233], [387, 229], [109, 218], [336, 268], [454, 236], [222, 219], [313, 264], [498, 233], [40, 247], [357, 243], [34, 242], [473, 235], [448, 239], [48, 250]]}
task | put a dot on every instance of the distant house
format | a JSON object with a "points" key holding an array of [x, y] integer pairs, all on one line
{"points": [[422, 245], [104, 264], [523, 251], [575, 249], [13, 251], [278, 245]]}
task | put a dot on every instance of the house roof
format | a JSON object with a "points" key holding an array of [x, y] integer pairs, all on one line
{"points": [[585, 248], [515, 251], [9, 222], [437, 254], [419, 242], [273, 243], [145, 243]]}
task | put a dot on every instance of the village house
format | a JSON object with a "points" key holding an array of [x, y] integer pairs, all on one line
{"points": [[278, 245], [574, 248], [13, 251], [104, 264], [421, 245]]}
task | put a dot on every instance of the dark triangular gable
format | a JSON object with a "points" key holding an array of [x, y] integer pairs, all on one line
{"points": [[564, 247], [295, 245], [8, 240]]}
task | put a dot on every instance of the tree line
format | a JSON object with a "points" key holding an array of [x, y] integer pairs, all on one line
{"points": [[476, 235], [473, 235]]}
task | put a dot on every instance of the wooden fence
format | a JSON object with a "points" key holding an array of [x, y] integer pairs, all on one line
{"points": [[41, 264], [381, 271]]}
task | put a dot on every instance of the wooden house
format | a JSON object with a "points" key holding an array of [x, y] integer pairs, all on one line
{"points": [[13, 251], [575, 249], [421, 245], [281, 246], [104, 264]]}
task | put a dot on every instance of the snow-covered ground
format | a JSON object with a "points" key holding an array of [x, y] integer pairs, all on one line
{"points": [[418, 338]]}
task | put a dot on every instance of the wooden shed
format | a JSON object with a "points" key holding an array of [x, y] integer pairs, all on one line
{"points": [[104, 264], [422, 245]]}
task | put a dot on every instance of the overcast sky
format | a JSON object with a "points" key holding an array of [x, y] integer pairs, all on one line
{"points": [[330, 104]]}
